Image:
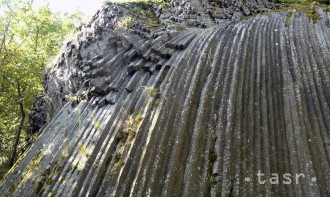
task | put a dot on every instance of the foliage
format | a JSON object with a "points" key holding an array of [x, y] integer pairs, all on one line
{"points": [[304, 1], [310, 9], [126, 22], [140, 11], [152, 92], [299, 6], [29, 38], [130, 128], [292, 1]]}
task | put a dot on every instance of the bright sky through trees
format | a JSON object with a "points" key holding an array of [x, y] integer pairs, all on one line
{"points": [[88, 7]]}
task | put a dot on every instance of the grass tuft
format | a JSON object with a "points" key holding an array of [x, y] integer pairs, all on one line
{"points": [[152, 92]]}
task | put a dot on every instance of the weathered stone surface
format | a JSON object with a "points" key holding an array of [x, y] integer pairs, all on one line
{"points": [[195, 112]]}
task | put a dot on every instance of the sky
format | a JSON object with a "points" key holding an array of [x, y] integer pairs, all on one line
{"points": [[88, 7]]}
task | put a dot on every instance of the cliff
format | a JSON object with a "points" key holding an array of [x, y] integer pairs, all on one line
{"points": [[185, 99]]}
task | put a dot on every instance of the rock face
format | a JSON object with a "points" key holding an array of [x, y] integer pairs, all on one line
{"points": [[154, 24], [144, 111]]}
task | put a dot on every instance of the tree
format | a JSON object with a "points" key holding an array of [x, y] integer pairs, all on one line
{"points": [[29, 38]]}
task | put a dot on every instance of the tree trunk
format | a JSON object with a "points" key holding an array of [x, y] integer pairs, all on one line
{"points": [[3, 42], [21, 124], [36, 42]]}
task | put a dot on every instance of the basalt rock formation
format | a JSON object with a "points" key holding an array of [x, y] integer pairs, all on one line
{"points": [[185, 106]]}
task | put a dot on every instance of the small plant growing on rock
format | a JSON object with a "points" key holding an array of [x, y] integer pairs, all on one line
{"points": [[117, 157], [117, 165], [127, 22], [130, 128], [155, 104], [152, 92], [118, 162], [132, 125], [97, 123], [83, 150], [71, 98], [213, 181], [213, 135]]}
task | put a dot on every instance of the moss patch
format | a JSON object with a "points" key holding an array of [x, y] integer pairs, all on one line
{"points": [[309, 8]]}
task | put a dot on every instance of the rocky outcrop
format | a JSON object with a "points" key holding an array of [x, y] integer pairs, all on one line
{"points": [[199, 111], [150, 23]]}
